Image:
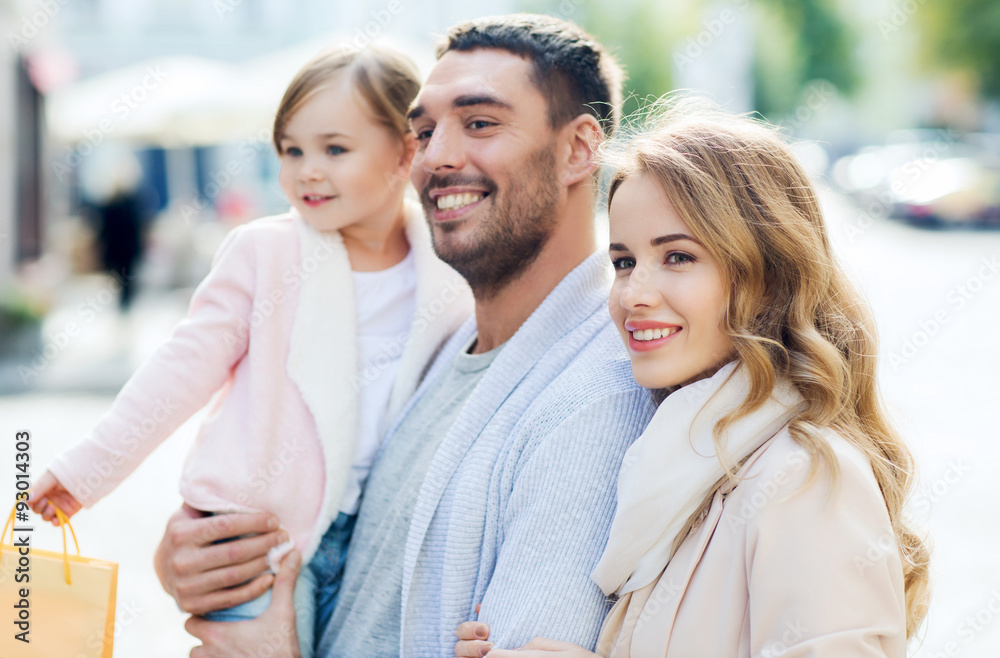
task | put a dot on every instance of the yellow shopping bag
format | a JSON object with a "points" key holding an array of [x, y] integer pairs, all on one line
{"points": [[64, 603]]}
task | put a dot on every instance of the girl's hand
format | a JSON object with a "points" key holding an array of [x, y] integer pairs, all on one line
{"points": [[472, 636], [47, 494]]}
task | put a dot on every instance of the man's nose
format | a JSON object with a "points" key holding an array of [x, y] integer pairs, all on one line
{"points": [[444, 150]]}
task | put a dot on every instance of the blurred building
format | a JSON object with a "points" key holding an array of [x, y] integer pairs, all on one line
{"points": [[189, 85]]}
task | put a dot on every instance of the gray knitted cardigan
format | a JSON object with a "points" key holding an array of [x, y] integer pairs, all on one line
{"points": [[517, 503]]}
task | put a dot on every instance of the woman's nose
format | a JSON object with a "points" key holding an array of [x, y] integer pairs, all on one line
{"points": [[638, 290]]}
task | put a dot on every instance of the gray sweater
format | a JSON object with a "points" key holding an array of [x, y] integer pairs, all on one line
{"points": [[516, 506]]}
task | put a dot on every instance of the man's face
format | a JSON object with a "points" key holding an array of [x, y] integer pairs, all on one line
{"points": [[485, 165]]}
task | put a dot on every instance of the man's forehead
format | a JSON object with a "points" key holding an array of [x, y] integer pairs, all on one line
{"points": [[493, 72]]}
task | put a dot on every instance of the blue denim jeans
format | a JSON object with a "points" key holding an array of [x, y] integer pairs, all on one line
{"points": [[304, 601], [327, 569]]}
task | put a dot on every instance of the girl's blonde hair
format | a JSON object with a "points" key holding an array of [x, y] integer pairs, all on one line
{"points": [[791, 310], [386, 79]]}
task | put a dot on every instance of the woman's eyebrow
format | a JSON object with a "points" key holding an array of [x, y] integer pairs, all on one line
{"points": [[617, 246], [663, 239]]}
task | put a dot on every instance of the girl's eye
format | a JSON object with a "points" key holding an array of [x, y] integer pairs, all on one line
{"points": [[335, 150], [293, 151], [679, 257], [624, 263]]}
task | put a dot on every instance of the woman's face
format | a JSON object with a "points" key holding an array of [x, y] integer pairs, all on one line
{"points": [[669, 297]]}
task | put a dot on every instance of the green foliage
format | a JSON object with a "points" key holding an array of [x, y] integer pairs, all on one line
{"points": [[796, 42], [963, 34]]}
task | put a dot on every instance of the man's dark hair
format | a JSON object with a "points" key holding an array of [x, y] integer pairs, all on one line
{"points": [[568, 66]]}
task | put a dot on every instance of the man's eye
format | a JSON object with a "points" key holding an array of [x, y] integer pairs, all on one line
{"points": [[480, 124], [623, 263]]}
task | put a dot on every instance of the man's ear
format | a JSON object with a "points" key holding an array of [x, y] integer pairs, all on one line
{"points": [[583, 136]]}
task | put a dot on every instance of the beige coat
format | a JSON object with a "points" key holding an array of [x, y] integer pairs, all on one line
{"points": [[775, 571]]}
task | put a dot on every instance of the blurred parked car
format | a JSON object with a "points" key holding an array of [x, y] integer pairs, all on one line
{"points": [[934, 178]]}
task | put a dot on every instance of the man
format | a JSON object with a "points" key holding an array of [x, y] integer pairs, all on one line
{"points": [[496, 484]]}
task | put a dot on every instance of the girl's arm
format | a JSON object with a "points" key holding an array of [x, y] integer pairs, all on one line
{"points": [[178, 380]]}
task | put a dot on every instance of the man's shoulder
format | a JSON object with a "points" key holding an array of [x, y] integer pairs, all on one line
{"points": [[598, 379]]}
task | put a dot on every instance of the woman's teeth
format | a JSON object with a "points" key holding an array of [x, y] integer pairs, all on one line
{"points": [[455, 201], [653, 334]]}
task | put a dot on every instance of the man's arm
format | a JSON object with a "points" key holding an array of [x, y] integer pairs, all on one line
{"points": [[556, 524], [203, 576]]}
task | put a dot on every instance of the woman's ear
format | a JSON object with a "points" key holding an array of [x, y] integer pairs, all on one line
{"points": [[583, 137]]}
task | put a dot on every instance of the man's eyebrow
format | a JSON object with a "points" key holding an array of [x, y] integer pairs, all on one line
{"points": [[480, 99], [468, 100], [663, 239], [415, 112]]}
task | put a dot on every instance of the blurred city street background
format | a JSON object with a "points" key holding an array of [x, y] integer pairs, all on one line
{"points": [[150, 120]]}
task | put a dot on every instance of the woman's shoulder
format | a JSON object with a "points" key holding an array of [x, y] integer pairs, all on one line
{"points": [[783, 478]]}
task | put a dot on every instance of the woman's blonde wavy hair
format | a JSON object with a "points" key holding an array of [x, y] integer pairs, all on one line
{"points": [[792, 312]]}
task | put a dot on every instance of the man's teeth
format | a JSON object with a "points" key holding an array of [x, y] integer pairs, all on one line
{"points": [[453, 201], [653, 334]]}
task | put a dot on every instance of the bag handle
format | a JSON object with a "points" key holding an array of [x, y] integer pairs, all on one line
{"points": [[63, 523]]}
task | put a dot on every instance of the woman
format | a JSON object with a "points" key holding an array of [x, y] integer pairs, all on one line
{"points": [[760, 513]]}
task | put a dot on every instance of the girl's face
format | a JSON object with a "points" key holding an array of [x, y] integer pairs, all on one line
{"points": [[669, 298], [339, 167]]}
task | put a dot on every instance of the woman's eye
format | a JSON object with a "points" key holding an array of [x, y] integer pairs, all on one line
{"points": [[623, 263], [423, 135], [335, 150], [678, 257]]}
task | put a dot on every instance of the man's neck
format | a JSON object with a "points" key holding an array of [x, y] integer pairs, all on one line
{"points": [[499, 317]]}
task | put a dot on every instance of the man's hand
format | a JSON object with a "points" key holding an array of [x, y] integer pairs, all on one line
{"points": [[203, 576], [271, 634]]}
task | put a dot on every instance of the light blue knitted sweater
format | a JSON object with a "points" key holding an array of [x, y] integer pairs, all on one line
{"points": [[516, 506]]}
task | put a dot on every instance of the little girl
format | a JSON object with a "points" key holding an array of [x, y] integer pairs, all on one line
{"points": [[315, 326]]}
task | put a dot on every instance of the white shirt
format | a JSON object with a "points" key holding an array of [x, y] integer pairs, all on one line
{"points": [[386, 302]]}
